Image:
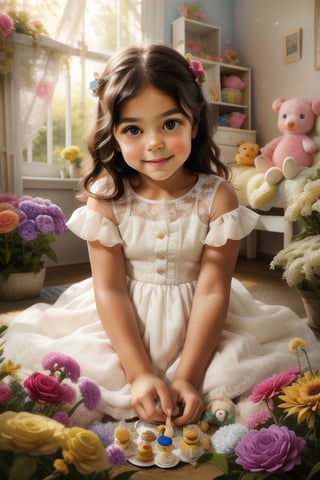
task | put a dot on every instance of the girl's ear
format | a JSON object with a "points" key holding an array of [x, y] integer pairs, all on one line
{"points": [[194, 132]]}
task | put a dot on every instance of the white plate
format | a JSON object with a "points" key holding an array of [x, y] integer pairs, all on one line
{"points": [[138, 463], [141, 426]]}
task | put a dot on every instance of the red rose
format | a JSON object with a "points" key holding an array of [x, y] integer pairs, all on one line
{"points": [[43, 388]]}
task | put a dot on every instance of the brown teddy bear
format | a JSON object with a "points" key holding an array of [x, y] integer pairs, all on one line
{"points": [[247, 152]]}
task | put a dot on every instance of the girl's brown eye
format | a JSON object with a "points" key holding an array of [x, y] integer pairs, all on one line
{"points": [[132, 130], [171, 124]]}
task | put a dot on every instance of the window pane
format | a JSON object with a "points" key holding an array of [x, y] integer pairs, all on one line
{"points": [[108, 25]]}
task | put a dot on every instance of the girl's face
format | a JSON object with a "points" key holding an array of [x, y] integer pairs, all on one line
{"points": [[153, 135]]}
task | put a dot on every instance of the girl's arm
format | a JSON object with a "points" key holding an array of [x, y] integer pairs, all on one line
{"points": [[208, 315], [118, 319]]}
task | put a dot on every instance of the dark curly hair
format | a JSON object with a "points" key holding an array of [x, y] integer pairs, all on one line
{"points": [[125, 75]]}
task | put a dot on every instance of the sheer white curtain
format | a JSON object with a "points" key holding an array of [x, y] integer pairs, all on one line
{"points": [[28, 91]]}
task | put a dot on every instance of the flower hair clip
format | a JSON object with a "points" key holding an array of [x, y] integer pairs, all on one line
{"points": [[196, 68], [96, 83]]}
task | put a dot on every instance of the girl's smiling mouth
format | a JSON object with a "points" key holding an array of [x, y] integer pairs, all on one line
{"points": [[158, 162]]}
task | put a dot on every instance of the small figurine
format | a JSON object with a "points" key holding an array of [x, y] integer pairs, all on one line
{"points": [[220, 411]]}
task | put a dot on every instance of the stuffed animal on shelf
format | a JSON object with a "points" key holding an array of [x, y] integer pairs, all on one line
{"points": [[232, 81], [231, 56], [286, 155], [236, 120], [247, 152]]}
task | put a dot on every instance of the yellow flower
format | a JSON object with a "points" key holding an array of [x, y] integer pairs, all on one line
{"points": [[296, 343], [87, 452], [61, 466], [8, 368], [72, 154], [29, 433], [302, 398]]}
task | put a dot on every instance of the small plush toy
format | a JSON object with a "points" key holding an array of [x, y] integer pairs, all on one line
{"points": [[231, 56], [236, 119], [220, 411], [288, 154], [232, 81], [247, 152]]}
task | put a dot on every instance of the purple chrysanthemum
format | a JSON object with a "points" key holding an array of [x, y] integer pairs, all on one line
{"points": [[59, 225], [105, 431], [32, 209], [27, 230], [5, 393], [63, 418], [60, 362], [116, 455], [90, 393], [45, 224]]}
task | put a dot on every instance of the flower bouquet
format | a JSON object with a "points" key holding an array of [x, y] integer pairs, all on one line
{"points": [[27, 228], [300, 260], [38, 440], [282, 439], [73, 155]]}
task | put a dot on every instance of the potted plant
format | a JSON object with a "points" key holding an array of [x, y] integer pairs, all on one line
{"points": [[300, 260], [73, 155], [28, 226]]}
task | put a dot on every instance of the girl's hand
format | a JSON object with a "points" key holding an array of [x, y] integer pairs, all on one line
{"points": [[150, 398], [183, 392]]}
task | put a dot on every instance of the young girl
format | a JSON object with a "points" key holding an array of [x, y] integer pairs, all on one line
{"points": [[161, 325]]}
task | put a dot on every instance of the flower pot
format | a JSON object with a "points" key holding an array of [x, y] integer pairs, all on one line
{"points": [[74, 172], [19, 286], [311, 304]]}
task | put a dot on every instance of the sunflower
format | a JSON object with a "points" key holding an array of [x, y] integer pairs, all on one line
{"points": [[302, 398]]}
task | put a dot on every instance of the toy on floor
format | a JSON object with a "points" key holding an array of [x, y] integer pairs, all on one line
{"points": [[219, 411], [288, 154], [247, 152], [164, 456], [190, 443]]}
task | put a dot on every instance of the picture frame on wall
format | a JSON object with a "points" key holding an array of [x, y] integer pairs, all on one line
{"points": [[292, 46], [317, 34]]}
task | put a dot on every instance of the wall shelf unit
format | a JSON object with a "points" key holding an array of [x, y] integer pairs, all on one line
{"points": [[203, 41]]}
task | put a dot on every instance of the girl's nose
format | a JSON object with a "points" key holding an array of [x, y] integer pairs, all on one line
{"points": [[155, 142]]}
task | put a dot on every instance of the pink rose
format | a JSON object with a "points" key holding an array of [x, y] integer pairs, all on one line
{"points": [[43, 388], [6, 25]]}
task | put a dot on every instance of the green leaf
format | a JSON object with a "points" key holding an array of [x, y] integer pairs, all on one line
{"points": [[24, 467], [313, 472]]}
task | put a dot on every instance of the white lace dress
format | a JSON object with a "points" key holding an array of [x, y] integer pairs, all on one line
{"points": [[162, 242]]}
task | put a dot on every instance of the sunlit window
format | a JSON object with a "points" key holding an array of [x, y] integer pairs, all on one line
{"points": [[106, 27]]}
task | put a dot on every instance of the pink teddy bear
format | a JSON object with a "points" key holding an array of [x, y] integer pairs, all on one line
{"points": [[287, 155]]}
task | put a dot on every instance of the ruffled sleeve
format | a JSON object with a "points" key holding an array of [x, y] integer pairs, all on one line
{"points": [[236, 224], [90, 225]]}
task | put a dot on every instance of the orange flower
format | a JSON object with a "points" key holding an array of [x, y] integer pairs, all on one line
{"points": [[9, 220]]}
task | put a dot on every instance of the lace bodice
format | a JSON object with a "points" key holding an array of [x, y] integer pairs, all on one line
{"points": [[197, 201]]}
